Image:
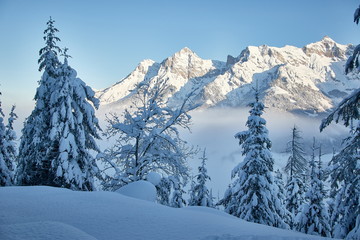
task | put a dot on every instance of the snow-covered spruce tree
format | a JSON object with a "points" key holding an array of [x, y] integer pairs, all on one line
{"points": [[313, 218], [6, 173], [296, 163], [73, 129], [7, 149], [345, 189], [10, 134], [253, 191], [148, 139], [10, 138], [332, 194], [345, 170], [33, 165], [59, 134], [295, 169], [199, 193], [177, 200], [353, 61], [163, 190], [281, 197], [345, 173], [295, 197]]}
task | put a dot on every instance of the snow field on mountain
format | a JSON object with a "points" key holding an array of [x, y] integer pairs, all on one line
{"points": [[312, 78], [40, 213]]}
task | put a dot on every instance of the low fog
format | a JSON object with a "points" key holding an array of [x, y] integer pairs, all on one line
{"points": [[214, 129]]}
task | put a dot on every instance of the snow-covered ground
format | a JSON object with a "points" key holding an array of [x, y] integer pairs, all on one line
{"points": [[42, 213]]}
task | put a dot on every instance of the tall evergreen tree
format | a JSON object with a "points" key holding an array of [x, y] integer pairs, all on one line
{"points": [[199, 193], [296, 163], [253, 191], [11, 134], [313, 218], [281, 197], [73, 130], [33, 165], [345, 174], [345, 184], [60, 132], [48, 60], [7, 149], [4, 168], [295, 197], [332, 195], [295, 169]]}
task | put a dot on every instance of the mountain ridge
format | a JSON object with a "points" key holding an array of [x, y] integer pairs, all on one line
{"points": [[308, 79]]}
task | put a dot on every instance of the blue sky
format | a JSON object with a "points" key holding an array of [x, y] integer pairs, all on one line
{"points": [[107, 39]]}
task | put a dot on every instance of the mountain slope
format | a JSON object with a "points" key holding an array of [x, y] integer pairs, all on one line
{"points": [[307, 79]]}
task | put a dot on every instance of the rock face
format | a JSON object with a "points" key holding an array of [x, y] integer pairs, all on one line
{"points": [[309, 79]]}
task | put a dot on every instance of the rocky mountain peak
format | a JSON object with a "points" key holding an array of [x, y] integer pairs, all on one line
{"points": [[308, 79], [184, 55], [327, 39], [326, 47], [144, 65], [187, 64], [185, 50]]}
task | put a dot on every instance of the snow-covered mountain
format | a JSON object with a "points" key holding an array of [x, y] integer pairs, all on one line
{"points": [[309, 79]]}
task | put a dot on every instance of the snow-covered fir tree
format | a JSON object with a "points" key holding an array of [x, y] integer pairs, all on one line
{"points": [[177, 200], [60, 132], [33, 165], [148, 138], [7, 149], [313, 218], [10, 133], [295, 197], [295, 169], [163, 190], [345, 185], [199, 193], [73, 130], [332, 194], [253, 191], [345, 173], [353, 61], [281, 197], [296, 163]]}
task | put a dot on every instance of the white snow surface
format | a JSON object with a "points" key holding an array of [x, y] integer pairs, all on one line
{"points": [[53, 213], [140, 189], [154, 178]]}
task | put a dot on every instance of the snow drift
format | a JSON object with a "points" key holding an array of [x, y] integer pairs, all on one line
{"points": [[54, 213]]}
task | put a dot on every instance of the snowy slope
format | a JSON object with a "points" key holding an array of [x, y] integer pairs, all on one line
{"points": [[309, 79], [54, 213]]}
